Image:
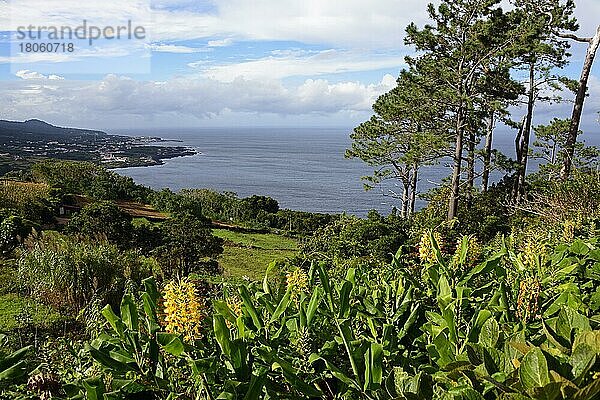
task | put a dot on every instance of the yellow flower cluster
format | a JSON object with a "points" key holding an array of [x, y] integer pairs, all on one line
{"points": [[569, 231], [235, 305], [534, 249], [592, 229], [297, 282], [183, 310], [473, 252], [426, 252], [527, 302]]}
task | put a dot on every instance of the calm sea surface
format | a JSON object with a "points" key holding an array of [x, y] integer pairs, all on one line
{"points": [[304, 169]]}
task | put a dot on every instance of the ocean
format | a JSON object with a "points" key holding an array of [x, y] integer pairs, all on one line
{"points": [[302, 168]]}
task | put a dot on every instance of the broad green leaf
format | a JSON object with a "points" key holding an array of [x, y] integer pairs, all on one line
{"points": [[283, 305], [266, 287], [104, 358], [570, 321], [255, 388], [14, 358], [582, 359], [94, 388], [345, 300], [591, 338], [313, 305], [490, 333], [222, 335], [292, 377], [249, 306], [115, 322], [493, 360], [557, 304], [324, 278], [223, 309], [414, 314], [450, 320], [347, 339], [579, 247], [589, 392], [551, 391], [521, 347], [489, 265], [351, 275], [121, 356], [15, 371], [150, 311], [376, 361], [129, 312], [335, 371], [557, 340], [533, 371], [477, 323], [151, 289], [171, 343], [444, 288], [436, 248], [465, 393]]}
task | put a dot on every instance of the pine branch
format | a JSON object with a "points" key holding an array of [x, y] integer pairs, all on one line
{"points": [[574, 37]]}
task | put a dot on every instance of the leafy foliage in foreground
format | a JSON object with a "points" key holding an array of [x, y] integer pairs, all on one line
{"points": [[12, 366], [522, 324]]}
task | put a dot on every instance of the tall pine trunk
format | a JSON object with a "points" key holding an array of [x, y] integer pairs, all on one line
{"points": [[578, 106], [487, 155], [470, 166], [413, 188], [457, 161], [523, 144], [405, 199]]}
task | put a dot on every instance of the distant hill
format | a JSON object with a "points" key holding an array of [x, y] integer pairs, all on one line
{"points": [[40, 128]]}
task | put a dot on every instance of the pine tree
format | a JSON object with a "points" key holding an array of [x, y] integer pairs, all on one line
{"points": [[538, 51], [402, 136], [456, 52]]}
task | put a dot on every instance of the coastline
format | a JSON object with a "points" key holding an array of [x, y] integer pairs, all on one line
{"points": [[154, 163], [24, 144]]}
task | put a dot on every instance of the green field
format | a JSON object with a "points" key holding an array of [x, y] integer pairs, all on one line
{"points": [[249, 254], [18, 312]]}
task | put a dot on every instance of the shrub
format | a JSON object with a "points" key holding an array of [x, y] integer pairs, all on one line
{"points": [[35, 202], [102, 220], [186, 245], [88, 179], [350, 238], [68, 274]]}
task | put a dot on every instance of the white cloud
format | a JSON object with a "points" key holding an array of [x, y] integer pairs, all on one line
{"points": [[220, 43], [200, 63], [350, 24], [301, 63], [371, 34], [72, 13], [118, 98], [171, 48], [353, 23], [26, 74]]}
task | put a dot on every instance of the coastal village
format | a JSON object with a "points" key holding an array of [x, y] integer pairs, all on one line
{"points": [[112, 151]]}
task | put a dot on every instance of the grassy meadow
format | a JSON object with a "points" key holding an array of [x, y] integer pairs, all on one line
{"points": [[248, 254]]}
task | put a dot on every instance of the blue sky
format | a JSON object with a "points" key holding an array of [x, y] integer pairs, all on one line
{"points": [[222, 62]]}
